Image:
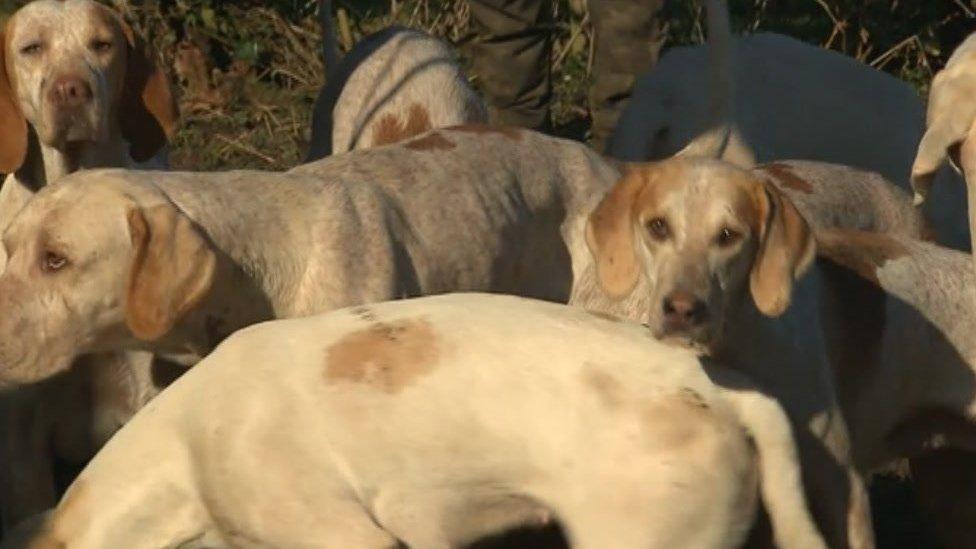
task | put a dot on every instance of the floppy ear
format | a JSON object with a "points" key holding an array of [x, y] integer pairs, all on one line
{"points": [[966, 155], [13, 125], [172, 270], [786, 249], [610, 235], [950, 115], [148, 111], [940, 142]]}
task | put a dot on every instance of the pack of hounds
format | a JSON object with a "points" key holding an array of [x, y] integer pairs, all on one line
{"points": [[436, 330]]}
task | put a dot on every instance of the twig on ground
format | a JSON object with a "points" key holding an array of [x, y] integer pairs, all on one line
{"points": [[569, 43], [880, 60], [248, 149]]}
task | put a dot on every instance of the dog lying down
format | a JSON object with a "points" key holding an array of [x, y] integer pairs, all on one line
{"points": [[435, 421]]}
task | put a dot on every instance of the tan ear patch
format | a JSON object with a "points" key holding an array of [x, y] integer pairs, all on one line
{"points": [[861, 252], [786, 177], [148, 111], [388, 356], [13, 125], [510, 132], [391, 129], [173, 268], [610, 235], [431, 142], [786, 249]]}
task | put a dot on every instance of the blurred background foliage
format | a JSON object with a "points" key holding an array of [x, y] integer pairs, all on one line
{"points": [[249, 70]]}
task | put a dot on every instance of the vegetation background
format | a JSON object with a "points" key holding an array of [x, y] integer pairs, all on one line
{"points": [[249, 70]]}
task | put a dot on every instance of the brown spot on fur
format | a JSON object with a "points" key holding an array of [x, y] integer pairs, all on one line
{"points": [[388, 356], [514, 134], [786, 177], [430, 142], [862, 252], [608, 390], [391, 129]]}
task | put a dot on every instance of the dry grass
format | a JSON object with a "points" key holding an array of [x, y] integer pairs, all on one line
{"points": [[249, 73]]}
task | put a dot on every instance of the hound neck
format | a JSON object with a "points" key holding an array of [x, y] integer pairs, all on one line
{"points": [[46, 164]]}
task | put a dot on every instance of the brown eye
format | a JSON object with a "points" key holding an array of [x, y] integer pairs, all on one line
{"points": [[31, 49], [100, 46], [726, 237], [658, 228], [52, 262]]}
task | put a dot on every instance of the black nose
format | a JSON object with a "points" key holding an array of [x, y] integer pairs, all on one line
{"points": [[683, 310]]}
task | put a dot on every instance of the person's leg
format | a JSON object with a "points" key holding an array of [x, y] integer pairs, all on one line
{"points": [[512, 60], [629, 35]]}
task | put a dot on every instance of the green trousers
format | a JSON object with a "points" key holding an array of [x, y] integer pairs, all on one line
{"points": [[512, 58]]}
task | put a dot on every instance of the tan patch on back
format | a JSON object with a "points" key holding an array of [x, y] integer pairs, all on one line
{"points": [[514, 134], [608, 390], [430, 142], [391, 129], [786, 177], [862, 252], [388, 356]]}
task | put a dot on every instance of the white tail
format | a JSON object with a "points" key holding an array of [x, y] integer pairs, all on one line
{"points": [[780, 481]]}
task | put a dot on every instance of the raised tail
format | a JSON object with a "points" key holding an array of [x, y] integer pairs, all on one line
{"points": [[721, 85], [330, 46], [720, 80]]}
